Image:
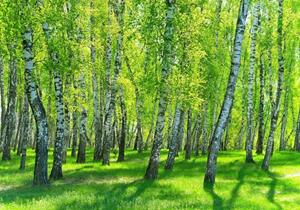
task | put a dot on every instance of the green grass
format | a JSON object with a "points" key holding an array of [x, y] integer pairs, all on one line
{"points": [[120, 186]]}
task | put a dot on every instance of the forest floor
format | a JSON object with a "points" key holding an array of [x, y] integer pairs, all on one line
{"points": [[121, 185]]}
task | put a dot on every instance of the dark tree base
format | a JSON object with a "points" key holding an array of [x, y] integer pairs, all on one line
{"points": [[120, 159], [250, 160], [80, 160], [259, 152], [81, 156], [22, 164], [105, 162], [6, 155], [97, 156], [6, 158], [209, 181], [40, 181], [265, 167], [73, 154], [168, 167], [56, 174], [151, 172]]}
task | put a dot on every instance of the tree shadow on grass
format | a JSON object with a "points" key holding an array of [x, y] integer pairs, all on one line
{"points": [[114, 187], [217, 200], [235, 191], [126, 196], [272, 190]]}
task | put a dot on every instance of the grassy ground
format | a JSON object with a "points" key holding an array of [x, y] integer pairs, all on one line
{"points": [[120, 186]]}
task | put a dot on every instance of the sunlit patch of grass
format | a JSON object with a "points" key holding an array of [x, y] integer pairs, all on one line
{"points": [[121, 185]]}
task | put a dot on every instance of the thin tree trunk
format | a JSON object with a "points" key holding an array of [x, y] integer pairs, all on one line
{"points": [[10, 116], [239, 143], [174, 139], [168, 134], [51, 121], [2, 95], [38, 110], [188, 145], [67, 120], [123, 128], [108, 57], [19, 135], [180, 132], [108, 61], [270, 73], [261, 111], [284, 119], [56, 172], [139, 135], [297, 136], [97, 120], [26, 130], [119, 11], [198, 134], [250, 118], [228, 99], [167, 60], [275, 110], [227, 135], [82, 125], [74, 126], [150, 134], [205, 133]]}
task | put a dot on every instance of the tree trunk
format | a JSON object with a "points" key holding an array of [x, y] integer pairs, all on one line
{"points": [[10, 116], [188, 145], [2, 95], [119, 11], [168, 134], [205, 133], [67, 120], [174, 139], [26, 130], [139, 135], [227, 135], [38, 110], [239, 142], [123, 128], [275, 110], [108, 60], [19, 135], [97, 120], [297, 136], [56, 172], [180, 132], [261, 111], [250, 118], [284, 119], [167, 61], [150, 134], [74, 126], [198, 134], [228, 99], [51, 122], [82, 125]]}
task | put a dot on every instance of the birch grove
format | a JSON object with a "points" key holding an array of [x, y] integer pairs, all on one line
{"points": [[172, 85]]}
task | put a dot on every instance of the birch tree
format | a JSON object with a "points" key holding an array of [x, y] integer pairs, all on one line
{"points": [[167, 61], [210, 172], [119, 9], [276, 107], [249, 140]]}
